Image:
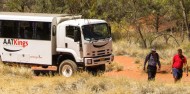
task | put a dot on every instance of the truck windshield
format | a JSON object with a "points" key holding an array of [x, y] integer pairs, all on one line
{"points": [[96, 31]]}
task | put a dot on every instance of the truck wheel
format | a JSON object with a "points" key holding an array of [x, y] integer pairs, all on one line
{"points": [[103, 67], [67, 68], [97, 70]]}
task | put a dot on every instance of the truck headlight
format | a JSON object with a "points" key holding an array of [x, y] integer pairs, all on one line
{"points": [[89, 61]]}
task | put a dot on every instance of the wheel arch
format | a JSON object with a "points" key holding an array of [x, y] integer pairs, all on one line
{"points": [[65, 56], [69, 52]]}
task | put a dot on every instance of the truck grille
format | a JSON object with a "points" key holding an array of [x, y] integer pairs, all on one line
{"points": [[101, 52], [98, 60]]}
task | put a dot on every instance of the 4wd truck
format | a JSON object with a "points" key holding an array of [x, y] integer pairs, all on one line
{"points": [[62, 40]]}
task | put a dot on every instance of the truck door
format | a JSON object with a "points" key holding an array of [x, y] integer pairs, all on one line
{"points": [[69, 40]]}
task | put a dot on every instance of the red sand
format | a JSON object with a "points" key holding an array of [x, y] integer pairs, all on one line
{"points": [[135, 71]]}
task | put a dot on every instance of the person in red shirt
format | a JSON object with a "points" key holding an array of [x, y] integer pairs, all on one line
{"points": [[177, 67]]}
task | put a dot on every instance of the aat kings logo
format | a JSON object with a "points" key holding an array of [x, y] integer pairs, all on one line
{"points": [[16, 43]]}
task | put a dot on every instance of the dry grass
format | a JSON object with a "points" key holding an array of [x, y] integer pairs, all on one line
{"points": [[85, 83], [15, 71], [114, 66], [16, 81]]}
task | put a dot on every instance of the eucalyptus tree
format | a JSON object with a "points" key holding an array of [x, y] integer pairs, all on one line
{"points": [[185, 16], [143, 10], [49, 6], [20, 5]]}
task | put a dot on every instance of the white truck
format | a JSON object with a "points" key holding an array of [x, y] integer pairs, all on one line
{"points": [[62, 40]]}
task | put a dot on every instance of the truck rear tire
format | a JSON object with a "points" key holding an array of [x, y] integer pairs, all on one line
{"points": [[67, 68]]}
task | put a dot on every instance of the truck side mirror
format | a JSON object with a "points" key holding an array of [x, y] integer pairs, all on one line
{"points": [[77, 35], [109, 27]]}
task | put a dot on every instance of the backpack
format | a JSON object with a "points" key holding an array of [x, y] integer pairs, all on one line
{"points": [[157, 56]]}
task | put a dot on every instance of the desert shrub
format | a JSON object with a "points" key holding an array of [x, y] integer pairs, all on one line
{"points": [[137, 61], [119, 68], [16, 71], [114, 66], [110, 67]]}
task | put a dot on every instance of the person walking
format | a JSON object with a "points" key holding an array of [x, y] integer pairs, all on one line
{"points": [[177, 67], [152, 59]]}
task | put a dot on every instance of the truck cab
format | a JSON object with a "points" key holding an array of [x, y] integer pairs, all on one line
{"points": [[88, 40]]}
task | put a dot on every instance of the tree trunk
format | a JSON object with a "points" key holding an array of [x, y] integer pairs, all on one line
{"points": [[141, 35], [137, 25], [185, 18], [182, 32], [22, 8], [157, 21]]}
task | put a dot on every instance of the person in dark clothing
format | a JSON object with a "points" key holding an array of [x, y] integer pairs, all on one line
{"points": [[177, 66], [152, 59]]}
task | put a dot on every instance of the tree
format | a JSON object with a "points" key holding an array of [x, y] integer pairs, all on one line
{"points": [[137, 13], [185, 17], [1, 5], [49, 6], [20, 5]]}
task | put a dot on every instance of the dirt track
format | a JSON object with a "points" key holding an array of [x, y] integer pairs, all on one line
{"points": [[134, 71]]}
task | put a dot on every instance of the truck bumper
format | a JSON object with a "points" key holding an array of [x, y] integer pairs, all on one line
{"points": [[92, 61]]}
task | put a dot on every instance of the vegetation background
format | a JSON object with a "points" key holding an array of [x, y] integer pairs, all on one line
{"points": [[137, 26]]}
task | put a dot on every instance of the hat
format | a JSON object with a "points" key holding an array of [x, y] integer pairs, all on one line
{"points": [[153, 49]]}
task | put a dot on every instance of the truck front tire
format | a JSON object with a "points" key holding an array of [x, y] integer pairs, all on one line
{"points": [[102, 68], [97, 70], [67, 68]]}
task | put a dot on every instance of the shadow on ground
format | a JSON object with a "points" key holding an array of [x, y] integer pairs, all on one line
{"points": [[163, 72], [45, 73]]}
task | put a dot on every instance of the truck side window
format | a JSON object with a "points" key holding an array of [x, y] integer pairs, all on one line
{"points": [[43, 30], [9, 29], [70, 31], [26, 30]]}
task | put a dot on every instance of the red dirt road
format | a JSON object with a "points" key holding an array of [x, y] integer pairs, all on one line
{"points": [[135, 71]]}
